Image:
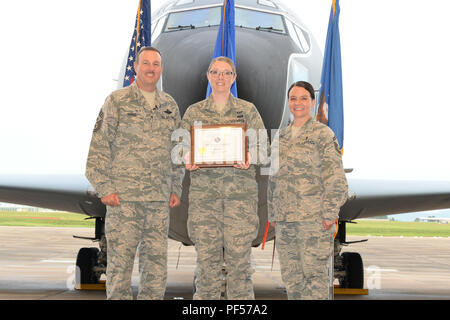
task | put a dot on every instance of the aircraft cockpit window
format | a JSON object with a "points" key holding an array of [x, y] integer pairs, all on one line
{"points": [[193, 19], [208, 17], [258, 20], [157, 28], [299, 36], [267, 3], [303, 37]]}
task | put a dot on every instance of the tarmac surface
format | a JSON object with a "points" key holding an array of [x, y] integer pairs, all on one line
{"points": [[38, 263]]}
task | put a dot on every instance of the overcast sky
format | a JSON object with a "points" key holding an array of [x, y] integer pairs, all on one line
{"points": [[58, 60]]}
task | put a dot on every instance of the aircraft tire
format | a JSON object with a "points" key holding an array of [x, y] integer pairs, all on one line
{"points": [[87, 259], [354, 271]]}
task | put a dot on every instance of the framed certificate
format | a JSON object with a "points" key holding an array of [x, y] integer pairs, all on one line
{"points": [[222, 145]]}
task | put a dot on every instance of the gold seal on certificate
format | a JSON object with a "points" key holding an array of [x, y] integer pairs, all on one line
{"points": [[218, 145]]}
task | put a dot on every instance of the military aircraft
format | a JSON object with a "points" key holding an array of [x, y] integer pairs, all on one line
{"points": [[273, 49]]}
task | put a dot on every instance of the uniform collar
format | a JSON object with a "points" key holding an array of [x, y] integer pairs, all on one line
{"points": [[306, 127], [231, 103], [137, 95]]}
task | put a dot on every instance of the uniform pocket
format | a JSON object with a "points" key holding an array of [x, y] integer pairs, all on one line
{"points": [[130, 127]]}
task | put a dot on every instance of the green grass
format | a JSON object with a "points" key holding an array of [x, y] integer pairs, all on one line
{"points": [[45, 219], [362, 228], [398, 228]]}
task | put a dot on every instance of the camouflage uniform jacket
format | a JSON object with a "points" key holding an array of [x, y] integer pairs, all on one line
{"points": [[310, 183], [130, 152], [226, 182]]}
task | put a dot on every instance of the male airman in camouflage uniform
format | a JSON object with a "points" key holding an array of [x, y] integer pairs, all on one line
{"points": [[130, 167], [305, 193], [223, 200]]}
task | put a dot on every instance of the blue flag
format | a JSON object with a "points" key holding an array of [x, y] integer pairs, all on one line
{"points": [[331, 110], [142, 37], [225, 42]]}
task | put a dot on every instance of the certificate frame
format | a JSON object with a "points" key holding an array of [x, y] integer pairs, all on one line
{"points": [[218, 145]]}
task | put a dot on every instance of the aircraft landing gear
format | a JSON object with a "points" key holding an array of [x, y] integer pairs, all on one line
{"points": [[87, 259], [348, 266], [354, 271], [91, 262]]}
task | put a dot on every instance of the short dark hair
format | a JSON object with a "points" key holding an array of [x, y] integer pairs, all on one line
{"points": [[306, 85], [148, 48]]}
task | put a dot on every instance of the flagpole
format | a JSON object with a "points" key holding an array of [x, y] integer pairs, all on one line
{"points": [[138, 20], [334, 8], [223, 25]]}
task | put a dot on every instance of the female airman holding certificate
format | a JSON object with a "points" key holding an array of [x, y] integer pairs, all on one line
{"points": [[223, 219]]}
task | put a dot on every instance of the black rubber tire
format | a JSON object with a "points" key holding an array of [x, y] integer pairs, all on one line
{"points": [[354, 270], [87, 259]]}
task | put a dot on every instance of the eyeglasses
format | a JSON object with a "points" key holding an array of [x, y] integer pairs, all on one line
{"points": [[225, 74]]}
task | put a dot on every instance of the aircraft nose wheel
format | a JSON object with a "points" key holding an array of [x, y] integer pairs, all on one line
{"points": [[87, 259], [354, 271]]}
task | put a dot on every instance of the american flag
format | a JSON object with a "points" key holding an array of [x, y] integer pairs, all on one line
{"points": [[141, 38]]}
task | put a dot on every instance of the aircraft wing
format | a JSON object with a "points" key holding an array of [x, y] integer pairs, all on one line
{"points": [[371, 198], [72, 193]]}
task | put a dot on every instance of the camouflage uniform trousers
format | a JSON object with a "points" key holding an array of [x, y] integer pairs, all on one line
{"points": [[223, 228], [129, 226], [305, 255]]}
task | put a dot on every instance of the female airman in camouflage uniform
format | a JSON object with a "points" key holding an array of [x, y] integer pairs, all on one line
{"points": [[223, 218], [304, 198]]}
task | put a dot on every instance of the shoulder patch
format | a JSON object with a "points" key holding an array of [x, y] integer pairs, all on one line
{"points": [[336, 145], [98, 123]]}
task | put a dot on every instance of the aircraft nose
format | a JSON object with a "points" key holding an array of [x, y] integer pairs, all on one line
{"points": [[186, 57], [261, 63]]}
